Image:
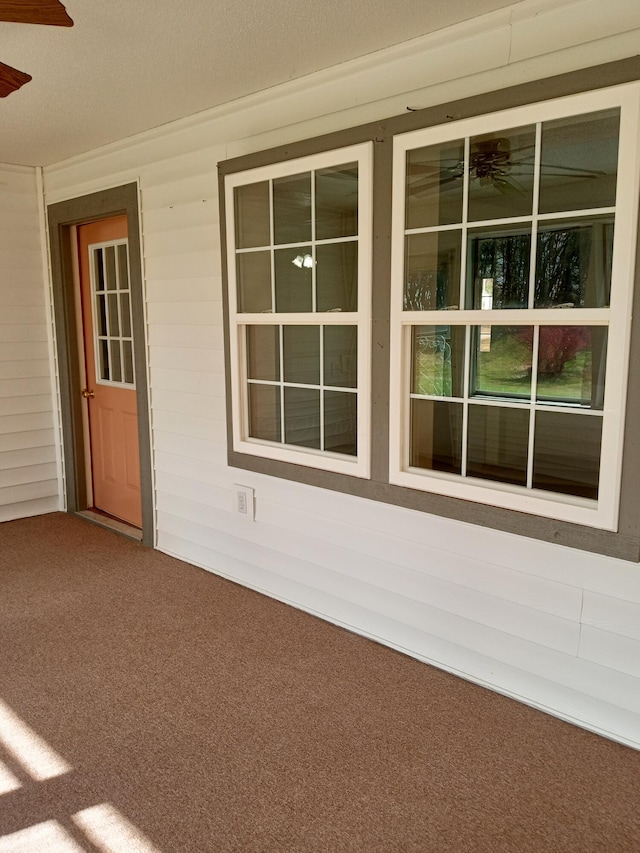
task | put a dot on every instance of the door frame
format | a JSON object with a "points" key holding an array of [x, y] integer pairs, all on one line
{"points": [[63, 216]]}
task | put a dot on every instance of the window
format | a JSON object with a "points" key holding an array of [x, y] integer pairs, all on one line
{"points": [[111, 292], [299, 272], [511, 306]]}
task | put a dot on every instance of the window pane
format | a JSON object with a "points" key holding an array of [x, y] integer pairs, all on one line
{"points": [[571, 365], [435, 178], [579, 162], [573, 263], [263, 353], [292, 209], [341, 422], [110, 267], [341, 356], [254, 282], [432, 271], [264, 412], [436, 436], [438, 360], [501, 167], [497, 444], [301, 348], [98, 269], [101, 315], [252, 215], [337, 202], [566, 454], [125, 315], [302, 417], [337, 277], [293, 279], [116, 361], [502, 361], [498, 273], [112, 306], [103, 358], [127, 353], [123, 270]]}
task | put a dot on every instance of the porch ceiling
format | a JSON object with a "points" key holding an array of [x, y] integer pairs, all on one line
{"points": [[129, 66]]}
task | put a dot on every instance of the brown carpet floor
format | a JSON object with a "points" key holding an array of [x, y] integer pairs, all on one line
{"points": [[215, 719]]}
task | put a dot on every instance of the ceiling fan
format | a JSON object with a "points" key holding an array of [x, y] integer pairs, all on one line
{"points": [[492, 163], [48, 12]]}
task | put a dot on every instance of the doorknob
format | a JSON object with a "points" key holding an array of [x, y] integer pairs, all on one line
{"points": [[86, 393]]}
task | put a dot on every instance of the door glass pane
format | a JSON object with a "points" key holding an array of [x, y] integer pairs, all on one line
{"points": [[125, 315], [293, 280], [438, 360], [127, 365], [101, 314], [502, 359], [432, 270], [103, 359], [98, 268], [254, 282], [123, 269], [301, 348], [112, 313], [579, 162], [337, 202], [566, 454], [264, 412], [116, 361], [302, 417], [263, 353], [252, 215], [573, 263], [110, 267], [341, 422], [436, 436], [341, 356], [498, 268], [571, 365], [435, 180], [497, 444], [501, 170], [292, 209], [337, 277]]}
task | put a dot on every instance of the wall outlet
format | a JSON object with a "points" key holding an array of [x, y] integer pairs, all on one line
{"points": [[244, 501]]}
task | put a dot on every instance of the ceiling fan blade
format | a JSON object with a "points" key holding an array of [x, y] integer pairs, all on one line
{"points": [[11, 79], [49, 12]]}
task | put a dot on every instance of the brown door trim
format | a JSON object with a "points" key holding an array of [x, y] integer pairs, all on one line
{"points": [[62, 217]]}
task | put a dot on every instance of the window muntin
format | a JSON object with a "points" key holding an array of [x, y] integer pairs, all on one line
{"points": [[111, 306], [503, 399], [299, 253]]}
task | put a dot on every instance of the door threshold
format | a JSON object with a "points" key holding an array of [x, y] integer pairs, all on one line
{"points": [[111, 523]]}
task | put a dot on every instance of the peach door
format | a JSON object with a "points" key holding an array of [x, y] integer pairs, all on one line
{"points": [[110, 390]]}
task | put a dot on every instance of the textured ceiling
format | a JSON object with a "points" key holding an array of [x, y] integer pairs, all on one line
{"points": [[130, 65]]}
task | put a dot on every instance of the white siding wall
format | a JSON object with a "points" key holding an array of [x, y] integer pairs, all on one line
{"points": [[551, 626], [28, 470]]}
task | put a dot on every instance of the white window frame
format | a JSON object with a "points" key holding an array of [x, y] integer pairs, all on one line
{"points": [[359, 465], [602, 513]]}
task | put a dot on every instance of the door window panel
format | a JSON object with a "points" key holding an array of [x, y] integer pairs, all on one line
{"points": [[112, 324]]}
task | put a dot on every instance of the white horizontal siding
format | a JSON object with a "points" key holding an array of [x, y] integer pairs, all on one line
{"points": [[551, 626], [28, 473]]}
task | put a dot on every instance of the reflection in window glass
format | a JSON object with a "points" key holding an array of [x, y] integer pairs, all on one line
{"points": [[253, 270], [302, 417], [293, 268], [301, 354], [337, 202], [435, 179], [251, 204], [432, 270], [436, 435], [498, 273], [340, 423], [502, 361], [579, 162], [438, 360], [571, 365], [337, 277], [566, 455], [501, 173], [497, 444], [264, 412], [292, 209], [573, 264], [263, 353], [341, 356]]}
